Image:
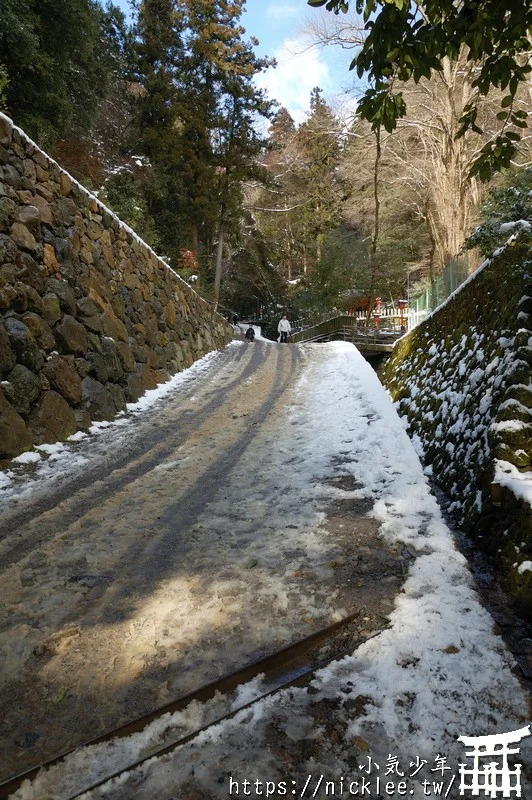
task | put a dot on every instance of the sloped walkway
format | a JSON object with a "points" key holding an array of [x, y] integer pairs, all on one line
{"points": [[227, 532], [189, 541]]}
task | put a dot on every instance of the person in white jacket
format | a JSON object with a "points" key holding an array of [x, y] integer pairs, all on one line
{"points": [[284, 328]]}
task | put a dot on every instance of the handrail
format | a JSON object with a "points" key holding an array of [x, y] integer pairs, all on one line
{"points": [[346, 326]]}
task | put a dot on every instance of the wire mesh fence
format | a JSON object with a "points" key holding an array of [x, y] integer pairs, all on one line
{"points": [[436, 292]]}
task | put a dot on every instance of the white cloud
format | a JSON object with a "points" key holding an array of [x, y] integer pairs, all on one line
{"points": [[299, 69], [280, 12]]}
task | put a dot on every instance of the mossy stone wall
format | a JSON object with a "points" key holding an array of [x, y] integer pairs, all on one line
{"points": [[462, 381], [90, 317]]}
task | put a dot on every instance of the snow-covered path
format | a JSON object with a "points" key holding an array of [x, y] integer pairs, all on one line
{"points": [[189, 543], [213, 542]]}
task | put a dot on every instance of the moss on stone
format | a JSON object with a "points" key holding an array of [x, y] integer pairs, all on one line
{"points": [[462, 366]]}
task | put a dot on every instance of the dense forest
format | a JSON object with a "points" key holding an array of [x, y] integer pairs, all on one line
{"points": [[161, 117]]}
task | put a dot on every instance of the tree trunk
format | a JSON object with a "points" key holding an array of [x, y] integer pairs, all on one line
{"points": [[195, 250], [218, 273], [432, 252], [375, 239], [319, 245]]}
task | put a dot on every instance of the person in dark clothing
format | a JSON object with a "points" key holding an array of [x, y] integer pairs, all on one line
{"points": [[250, 334], [235, 319]]}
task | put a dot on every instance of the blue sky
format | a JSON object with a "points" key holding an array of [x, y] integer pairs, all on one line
{"points": [[279, 26]]}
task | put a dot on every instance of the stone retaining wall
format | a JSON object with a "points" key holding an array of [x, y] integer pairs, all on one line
{"points": [[462, 381], [90, 317]]}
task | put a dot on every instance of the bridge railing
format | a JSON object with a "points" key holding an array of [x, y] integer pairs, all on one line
{"points": [[391, 321], [345, 327]]}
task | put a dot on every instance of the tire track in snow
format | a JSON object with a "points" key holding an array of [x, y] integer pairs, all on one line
{"points": [[75, 496], [149, 559]]}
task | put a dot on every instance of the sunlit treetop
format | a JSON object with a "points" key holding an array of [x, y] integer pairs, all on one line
{"points": [[407, 41]]}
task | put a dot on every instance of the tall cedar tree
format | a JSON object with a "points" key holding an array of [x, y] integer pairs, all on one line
{"points": [[320, 147], [198, 113], [160, 55], [220, 105], [279, 206]]}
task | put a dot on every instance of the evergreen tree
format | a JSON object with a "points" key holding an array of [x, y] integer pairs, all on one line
{"points": [[219, 106], [94, 153], [282, 129], [52, 53], [320, 147], [159, 53], [511, 202], [279, 205], [156, 132]]}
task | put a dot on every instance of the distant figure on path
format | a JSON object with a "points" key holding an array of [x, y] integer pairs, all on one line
{"points": [[235, 320], [284, 328], [250, 334]]}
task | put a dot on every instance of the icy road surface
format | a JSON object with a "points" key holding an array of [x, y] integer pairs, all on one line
{"points": [[177, 546], [274, 490]]}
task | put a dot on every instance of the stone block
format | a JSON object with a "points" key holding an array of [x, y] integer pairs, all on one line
{"points": [[95, 343], [86, 255], [161, 376], [66, 211], [134, 388], [7, 356], [23, 344], [41, 174], [173, 352], [52, 419], [83, 419], [26, 389], [64, 379], [46, 191], [71, 336], [41, 331], [126, 357], [83, 367], [171, 314], [65, 293], [30, 272], [65, 183], [14, 435], [50, 260], [7, 214], [98, 367], [147, 377], [152, 360], [117, 393], [30, 217], [29, 170], [112, 360], [89, 313], [34, 300], [12, 177], [23, 237], [20, 301], [6, 131], [114, 327], [8, 249], [41, 158], [51, 308], [131, 280], [97, 400], [519, 458]]}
